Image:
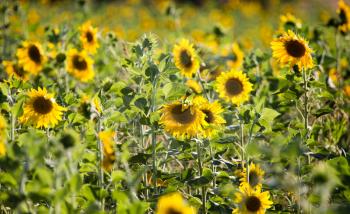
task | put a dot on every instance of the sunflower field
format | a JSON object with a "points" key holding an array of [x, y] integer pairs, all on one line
{"points": [[175, 106]]}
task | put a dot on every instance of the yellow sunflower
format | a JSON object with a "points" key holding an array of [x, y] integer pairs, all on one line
{"points": [[291, 49], [41, 110], [3, 135], [88, 37], [213, 118], [256, 175], [235, 57], [14, 70], [186, 58], [289, 20], [251, 201], [346, 90], [233, 86], [194, 86], [344, 14], [107, 139], [183, 121], [173, 203], [31, 57], [80, 65]]}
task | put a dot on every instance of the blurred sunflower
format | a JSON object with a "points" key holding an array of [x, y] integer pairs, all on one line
{"points": [[173, 203], [79, 64], [14, 70], [41, 110], [235, 58], [288, 21], [291, 49], [88, 37], [346, 90], [344, 14], [107, 139], [182, 121], [3, 135], [251, 200], [194, 86], [256, 175], [31, 57], [333, 78], [233, 86], [186, 58]]}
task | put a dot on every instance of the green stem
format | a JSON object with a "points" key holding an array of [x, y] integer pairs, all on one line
{"points": [[242, 143], [306, 114], [200, 168], [100, 158]]}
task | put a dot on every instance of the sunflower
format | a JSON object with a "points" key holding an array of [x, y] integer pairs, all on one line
{"points": [[235, 58], [346, 90], [79, 64], [333, 78], [41, 110], [31, 57], [183, 121], [173, 203], [289, 20], [186, 58], [233, 86], [88, 36], [107, 139], [14, 70], [344, 14], [291, 49], [194, 86], [213, 118], [256, 175], [251, 200], [3, 135]]}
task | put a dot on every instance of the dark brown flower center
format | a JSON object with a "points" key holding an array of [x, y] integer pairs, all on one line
{"points": [[89, 36], [343, 18], [173, 211], [253, 203], [295, 48], [42, 105], [183, 117], [185, 59], [34, 54], [209, 116], [234, 86], [79, 62], [253, 178]]}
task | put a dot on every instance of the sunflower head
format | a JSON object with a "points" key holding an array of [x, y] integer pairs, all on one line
{"points": [[291, 49], [346, 90], [234, 86], [15, 70], [173, 203], [256, 175], [288, 21], [185, 58], [234, 57], [41, 110], [251, 200], [194, 86], [344, 15], [88, 37], [183, 121], [107, 139], [213, 117], [79, 64], [31, 57]]}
